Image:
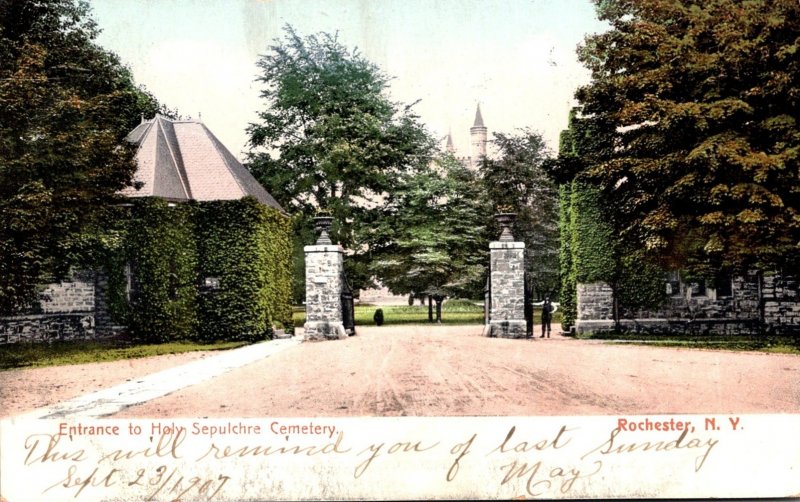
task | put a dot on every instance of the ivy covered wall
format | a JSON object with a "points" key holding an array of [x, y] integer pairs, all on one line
{"points": [[568, 292], [247, 247], [593, 243], [593, 252], [152, 272], [158, 259]]}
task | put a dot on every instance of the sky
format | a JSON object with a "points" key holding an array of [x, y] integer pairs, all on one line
{"points": [[517, 58]]}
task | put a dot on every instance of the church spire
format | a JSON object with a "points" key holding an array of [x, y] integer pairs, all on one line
{"points": [[478, 139], [450, 147], [478, 117]]}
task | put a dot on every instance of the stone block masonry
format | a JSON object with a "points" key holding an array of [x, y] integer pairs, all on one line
{"points": [[756, 303], [74, 295], [507, 276], [595, 301], [66, 311], [47, 327], [595, 307], [781, 297], [324, 285]]}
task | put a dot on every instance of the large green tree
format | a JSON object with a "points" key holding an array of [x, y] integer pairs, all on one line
{"points": [[65, 107], [432, 241], [330, 137], [702, 101], [516, 180]]}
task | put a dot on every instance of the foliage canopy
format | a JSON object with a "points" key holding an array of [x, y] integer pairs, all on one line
{"points": [[517, 179], [433, 238], [699, 102], [330, 138], [65, 106]]}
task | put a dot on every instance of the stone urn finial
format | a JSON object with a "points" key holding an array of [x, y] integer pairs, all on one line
{"points": [[322, 224], [506, 220]]}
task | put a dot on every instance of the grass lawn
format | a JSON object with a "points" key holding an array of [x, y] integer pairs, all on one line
{"points": [[34, 355], [775, 344], [402, 314], [459, 312]]}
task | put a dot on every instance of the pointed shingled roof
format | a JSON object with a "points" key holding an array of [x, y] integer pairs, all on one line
{"points": [[181, 160], [450, 147], [478, 117]]}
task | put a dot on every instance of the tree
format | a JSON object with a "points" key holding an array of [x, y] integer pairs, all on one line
{"points": [[518, 180], [330, 137], [701, 99], [65, 106], [433, 239]]}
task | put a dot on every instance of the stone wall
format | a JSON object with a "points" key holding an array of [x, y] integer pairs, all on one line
{"points": [[74, 295], [781, 296], [507, 276], [770, 303], [324, 286], [595, 309], [71, 310], [46, 327], [742, 304], [595, 301]]}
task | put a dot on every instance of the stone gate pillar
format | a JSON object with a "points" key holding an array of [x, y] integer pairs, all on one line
{"points": [[506, 284], [595, 308], [324, 285]]}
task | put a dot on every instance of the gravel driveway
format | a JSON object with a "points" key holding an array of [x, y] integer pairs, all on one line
{"points": [[446, 370]]}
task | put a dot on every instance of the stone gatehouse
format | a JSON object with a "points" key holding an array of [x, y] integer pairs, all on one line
{"points": [[177, 161]]}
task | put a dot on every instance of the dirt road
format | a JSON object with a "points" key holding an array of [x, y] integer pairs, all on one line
{"points": [[23, 390], [453, 370]]}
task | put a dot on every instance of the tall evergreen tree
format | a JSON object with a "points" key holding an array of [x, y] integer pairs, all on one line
{"points": [[701, 98], [65, 106]]}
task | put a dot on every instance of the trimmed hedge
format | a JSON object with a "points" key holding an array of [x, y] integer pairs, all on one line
{"points": [[173, 248]]}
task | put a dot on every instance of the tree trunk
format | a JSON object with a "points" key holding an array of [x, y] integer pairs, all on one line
{"points": [[430, 309], [439, 309]]}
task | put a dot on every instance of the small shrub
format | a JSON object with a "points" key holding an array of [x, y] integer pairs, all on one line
{"points": [[378, 317]]}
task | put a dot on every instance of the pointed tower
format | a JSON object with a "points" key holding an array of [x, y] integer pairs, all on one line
{"points": [[477, 139], [450, 147]]}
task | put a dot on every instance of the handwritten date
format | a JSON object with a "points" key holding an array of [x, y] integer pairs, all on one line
{"points": [[160, 483]]}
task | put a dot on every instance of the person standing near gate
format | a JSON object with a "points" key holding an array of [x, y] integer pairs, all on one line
{"points": [[547, 314]]}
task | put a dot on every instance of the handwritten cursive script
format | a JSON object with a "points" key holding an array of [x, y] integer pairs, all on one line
{"points": [[614, 446]]}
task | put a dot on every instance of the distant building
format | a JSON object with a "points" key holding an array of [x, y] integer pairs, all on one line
{"points": [[477, 152], [477, 147]]}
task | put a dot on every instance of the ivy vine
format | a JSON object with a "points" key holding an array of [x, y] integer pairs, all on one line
{"points": [[172, 248]]}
